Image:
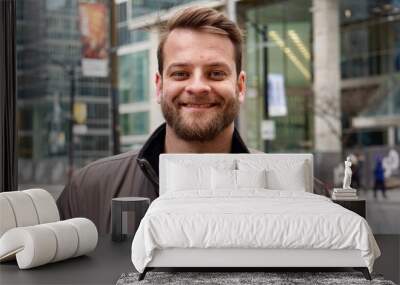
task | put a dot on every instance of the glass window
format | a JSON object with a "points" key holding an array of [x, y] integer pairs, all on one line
{"points": [[126, 36], [135, 123], [138, 35], [354, 10], [123, 35], [369, 38], [142, 7], [55, 5], [134, 77], [281, 41], [122, 12]]}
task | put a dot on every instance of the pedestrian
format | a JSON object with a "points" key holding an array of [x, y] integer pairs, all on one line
{"points": [[379, 177]]}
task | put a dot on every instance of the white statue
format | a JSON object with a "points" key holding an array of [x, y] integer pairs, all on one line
{"points": [[347, 174]]}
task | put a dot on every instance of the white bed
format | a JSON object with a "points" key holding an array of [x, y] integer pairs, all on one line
{"points": [[247, 210]]}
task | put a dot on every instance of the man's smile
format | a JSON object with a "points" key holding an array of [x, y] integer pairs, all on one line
{"points": [[196, 106]]}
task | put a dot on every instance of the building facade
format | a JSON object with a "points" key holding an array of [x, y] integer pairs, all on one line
{"points": [[323, 77], [49, 73], [370, 64], [337, 61]]}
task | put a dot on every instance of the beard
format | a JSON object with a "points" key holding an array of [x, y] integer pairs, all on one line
{"points": [[202, 126]]}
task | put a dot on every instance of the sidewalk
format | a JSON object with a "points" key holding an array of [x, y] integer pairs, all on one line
{"points": [[383, 215]]}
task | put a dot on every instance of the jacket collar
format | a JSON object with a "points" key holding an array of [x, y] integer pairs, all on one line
{"points": [[154, 146]]}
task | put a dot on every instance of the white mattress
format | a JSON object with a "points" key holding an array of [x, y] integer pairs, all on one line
{"points": [[256, 218]]}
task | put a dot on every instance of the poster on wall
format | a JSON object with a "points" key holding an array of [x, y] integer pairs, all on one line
{"points": [[93, 30], [276, 95]]}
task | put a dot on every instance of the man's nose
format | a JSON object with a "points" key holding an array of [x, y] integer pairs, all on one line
{"points": [[198, 86]]}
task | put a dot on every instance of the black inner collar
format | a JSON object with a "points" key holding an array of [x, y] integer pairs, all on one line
{"points": [[153, 147]]}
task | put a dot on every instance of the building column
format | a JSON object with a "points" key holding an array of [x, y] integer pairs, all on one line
{"points": [[392, 136], [327, 107]]}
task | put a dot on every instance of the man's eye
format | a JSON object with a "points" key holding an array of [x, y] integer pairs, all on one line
{"points": [[217, 74], [180, 74]]}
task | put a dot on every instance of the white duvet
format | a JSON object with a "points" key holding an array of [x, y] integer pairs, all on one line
{"points": [[253, 218]]}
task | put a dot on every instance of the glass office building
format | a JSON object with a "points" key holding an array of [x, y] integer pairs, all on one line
{"points": [[48, 49], [278, 43], [370, 65]]}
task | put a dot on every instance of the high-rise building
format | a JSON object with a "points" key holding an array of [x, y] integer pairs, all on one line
{"points": [[49, 74]]}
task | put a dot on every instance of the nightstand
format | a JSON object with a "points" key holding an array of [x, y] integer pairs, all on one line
{"points": [[357, 206]]}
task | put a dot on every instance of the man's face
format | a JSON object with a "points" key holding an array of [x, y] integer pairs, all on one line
{"points": [[199, 90]]}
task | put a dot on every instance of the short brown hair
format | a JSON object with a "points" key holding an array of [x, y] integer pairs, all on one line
{"points": [[206, 19]]}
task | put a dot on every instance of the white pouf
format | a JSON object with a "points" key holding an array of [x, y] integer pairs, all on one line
{"points": [[40, 244], [26, 208]]}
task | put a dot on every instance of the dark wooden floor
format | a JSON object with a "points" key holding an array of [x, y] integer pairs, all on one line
{"points": [[106, 264], [389, 262]]}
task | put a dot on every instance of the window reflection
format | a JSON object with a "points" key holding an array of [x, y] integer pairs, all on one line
{"points": [[134, 77], [370, 38]]}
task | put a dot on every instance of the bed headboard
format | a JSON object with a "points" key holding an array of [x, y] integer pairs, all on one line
{"points": [[289, 170]]}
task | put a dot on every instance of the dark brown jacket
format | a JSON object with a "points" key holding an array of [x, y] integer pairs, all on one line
{"points": [[129, 174]]}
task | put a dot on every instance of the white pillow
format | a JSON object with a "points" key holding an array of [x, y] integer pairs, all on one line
{"points": [[282, 174], [181, 177], [237, 179], [291, 181], [251, 178], [223, 179], [185, 175]]}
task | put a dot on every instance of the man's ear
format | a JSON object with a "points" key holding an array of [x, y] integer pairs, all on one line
{"points": [[241, 86], [158, 81]]}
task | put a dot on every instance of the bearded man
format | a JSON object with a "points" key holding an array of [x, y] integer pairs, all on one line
{"points": [[200, 86]]}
